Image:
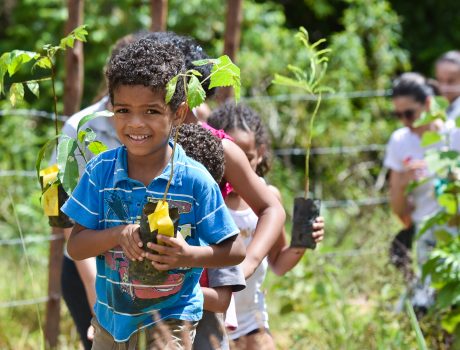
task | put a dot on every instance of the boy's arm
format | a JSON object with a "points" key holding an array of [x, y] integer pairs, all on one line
{"points": [[177, 253], [85, 243], [270, 212]]}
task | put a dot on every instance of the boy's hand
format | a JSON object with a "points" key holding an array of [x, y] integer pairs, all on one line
{"points": [[131, 243], [318, 229], [175, 253]]}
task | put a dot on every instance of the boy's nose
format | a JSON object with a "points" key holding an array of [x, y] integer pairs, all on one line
{"points": [[136, 120]]}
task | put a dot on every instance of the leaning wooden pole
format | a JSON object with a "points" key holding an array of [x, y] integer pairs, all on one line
{"points": [[232, 38], [159, 15], [73, 85], [72, 98]]}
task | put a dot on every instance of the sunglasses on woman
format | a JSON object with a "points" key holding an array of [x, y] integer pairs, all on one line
{"points": [[408, 114]]}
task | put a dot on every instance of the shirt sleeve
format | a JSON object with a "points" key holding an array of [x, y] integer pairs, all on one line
{"points": [[83, 204], [392, 161], [214, 223], [231, 276]]}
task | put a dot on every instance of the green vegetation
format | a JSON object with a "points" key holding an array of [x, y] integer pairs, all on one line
{"points": [[345, 294]]}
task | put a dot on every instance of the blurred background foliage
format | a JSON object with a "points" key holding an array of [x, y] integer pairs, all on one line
{"points": [[345, 294]]}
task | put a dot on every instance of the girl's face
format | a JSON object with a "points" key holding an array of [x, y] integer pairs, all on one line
{"points": [[408, 110], [448, 77], [247, 142], [142, 119]]}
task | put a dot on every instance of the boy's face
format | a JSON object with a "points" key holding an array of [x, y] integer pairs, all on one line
{"points": [[142, 119]]}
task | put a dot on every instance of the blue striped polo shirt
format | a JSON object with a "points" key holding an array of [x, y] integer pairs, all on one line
{"points": [[105, 197]]}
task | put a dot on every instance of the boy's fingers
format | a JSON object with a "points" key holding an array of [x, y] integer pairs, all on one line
{"points": [[160, 267], [161, 248], [172, 241]]}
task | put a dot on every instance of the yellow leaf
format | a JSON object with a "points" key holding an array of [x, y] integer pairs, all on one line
{"points": [[160, 220]]}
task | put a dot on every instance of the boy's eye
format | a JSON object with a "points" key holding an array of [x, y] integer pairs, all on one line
{"points": [[153, 111], [121, 110]]}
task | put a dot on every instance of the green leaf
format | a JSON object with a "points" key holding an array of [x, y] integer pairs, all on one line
{"points": [[33, 87], [18, 58], [457, 122], [443, 236], [87, 135], [67, 164], [171, 88], [87, 118], [448, 201], [96, 147], [43, 62], [41, 153], [425, 119], [16, 93], [226, 73], [195, 92], [429, 138], [448, 295], [286, 81], [451, 321], [195, 72], [204, 62]]}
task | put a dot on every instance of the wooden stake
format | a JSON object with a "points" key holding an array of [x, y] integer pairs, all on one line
{"points": [[53, 306], [159, 14], [232, 38], [73, 85]]}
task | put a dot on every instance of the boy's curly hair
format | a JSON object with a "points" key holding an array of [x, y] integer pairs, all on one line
{"points": [[201, 145], [191, 50], [148, 63], [230, 116]]}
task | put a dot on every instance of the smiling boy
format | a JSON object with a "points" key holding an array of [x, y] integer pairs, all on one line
{"points": [[108, 202]]}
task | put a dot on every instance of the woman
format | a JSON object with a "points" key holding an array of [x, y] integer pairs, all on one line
{"points": [[405, 158]]}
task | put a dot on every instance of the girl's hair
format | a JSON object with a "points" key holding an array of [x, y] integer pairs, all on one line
{"points": [[451, 57], [230, 116], [414, 85], [201, 145], [148, 63]]}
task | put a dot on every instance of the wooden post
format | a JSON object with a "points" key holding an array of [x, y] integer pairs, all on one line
{"points": [[159, 14], [53, 306], [73, 88], [232, 38], [73, 85]]}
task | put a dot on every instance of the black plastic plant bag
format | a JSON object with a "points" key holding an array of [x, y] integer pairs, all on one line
{"points": [[305, 213], [143, 271]]}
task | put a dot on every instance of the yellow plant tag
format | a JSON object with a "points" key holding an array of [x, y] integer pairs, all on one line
{"points": [[50, 201], [160, 220]]}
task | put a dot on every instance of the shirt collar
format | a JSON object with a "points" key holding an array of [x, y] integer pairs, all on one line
{"points": [[121, 166]]}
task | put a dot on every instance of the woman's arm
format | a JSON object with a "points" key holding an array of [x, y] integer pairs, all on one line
{"points": [[265, 205], [398, 198]]}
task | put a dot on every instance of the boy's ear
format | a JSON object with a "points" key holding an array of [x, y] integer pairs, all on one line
{"points": [[181, 113]]}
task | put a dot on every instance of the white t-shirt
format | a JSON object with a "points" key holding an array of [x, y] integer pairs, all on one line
{"points": [[404, 146], [251, 310]]}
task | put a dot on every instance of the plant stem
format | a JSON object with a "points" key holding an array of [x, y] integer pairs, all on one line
{"points": [[182, 117], [307, 157], [56, 127]]}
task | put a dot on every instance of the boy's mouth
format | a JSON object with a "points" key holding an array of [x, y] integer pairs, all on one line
{"points": [[138, 138]]}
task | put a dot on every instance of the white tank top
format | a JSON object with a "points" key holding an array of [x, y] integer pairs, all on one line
{"points": [[251, 311]]}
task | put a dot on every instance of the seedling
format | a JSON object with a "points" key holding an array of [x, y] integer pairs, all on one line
{"points": [[57, 180], [306, 210]]}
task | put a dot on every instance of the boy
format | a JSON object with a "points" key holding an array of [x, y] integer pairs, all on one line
{"points": [[108, 201]]}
